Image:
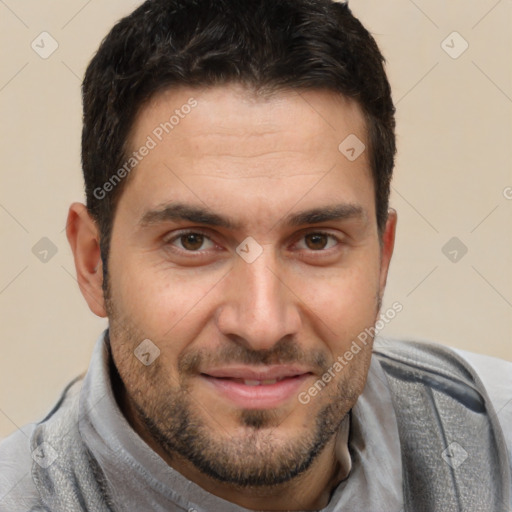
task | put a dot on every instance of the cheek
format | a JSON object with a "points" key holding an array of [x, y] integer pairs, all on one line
{"points": [[162, 303], [345, 299]]}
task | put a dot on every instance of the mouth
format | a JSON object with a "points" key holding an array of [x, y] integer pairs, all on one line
{"points": [[251, 382], [250, 388]]}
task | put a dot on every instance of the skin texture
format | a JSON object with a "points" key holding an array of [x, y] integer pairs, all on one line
{"points": [[256, 160]]}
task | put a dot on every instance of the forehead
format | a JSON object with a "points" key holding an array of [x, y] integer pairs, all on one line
{"points": [[212, 143], [236, 109]]}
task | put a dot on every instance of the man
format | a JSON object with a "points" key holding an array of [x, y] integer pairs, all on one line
{"points": [[237, 158]]}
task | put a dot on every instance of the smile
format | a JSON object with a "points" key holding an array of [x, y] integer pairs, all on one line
{"points": [[248, 388]]}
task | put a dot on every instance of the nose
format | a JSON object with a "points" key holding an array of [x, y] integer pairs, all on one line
{"points": [[259, 308]]}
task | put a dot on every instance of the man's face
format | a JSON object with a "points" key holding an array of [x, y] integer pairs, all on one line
{"points": [[241, 337]]}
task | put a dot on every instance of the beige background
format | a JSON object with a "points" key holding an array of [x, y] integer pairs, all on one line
{"points": [[452, 174]]}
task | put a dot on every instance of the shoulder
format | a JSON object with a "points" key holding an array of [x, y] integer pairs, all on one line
{"points": [[496, 376], [18, 492], [448, 368], [492, 374], [17, 489]]}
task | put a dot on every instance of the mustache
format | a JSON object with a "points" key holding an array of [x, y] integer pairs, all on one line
{"points": [[283, 352]]}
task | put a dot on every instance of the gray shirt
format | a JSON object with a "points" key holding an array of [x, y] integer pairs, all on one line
{"points": [[139, 480]]}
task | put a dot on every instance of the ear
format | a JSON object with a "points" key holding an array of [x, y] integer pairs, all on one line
{"points": [[83, 237], [387, 246]]}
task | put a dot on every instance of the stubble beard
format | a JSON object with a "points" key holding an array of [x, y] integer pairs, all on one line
{"points": [[256, 456]]}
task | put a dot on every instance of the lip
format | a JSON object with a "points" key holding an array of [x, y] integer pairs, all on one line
{"points": [[262, 396], [252, 373]]}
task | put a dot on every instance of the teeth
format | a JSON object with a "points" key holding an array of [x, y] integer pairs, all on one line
{"points": [[260, 382], [252, 382]]}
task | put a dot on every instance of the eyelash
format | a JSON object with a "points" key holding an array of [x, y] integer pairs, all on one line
{"points": [[177, 236], [169, 242]]}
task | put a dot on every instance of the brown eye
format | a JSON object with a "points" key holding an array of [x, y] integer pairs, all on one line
{"points": [[192, 241], [316, 241]]}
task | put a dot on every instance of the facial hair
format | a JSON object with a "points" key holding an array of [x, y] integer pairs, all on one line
{"points": [[254, 456]]}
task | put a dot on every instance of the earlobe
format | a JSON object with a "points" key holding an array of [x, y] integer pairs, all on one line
{"points": [[83, 236]]}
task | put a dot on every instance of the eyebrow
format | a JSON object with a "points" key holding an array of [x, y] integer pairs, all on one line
{"points": [[199, 215], [180, 211], [326, 214]]}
